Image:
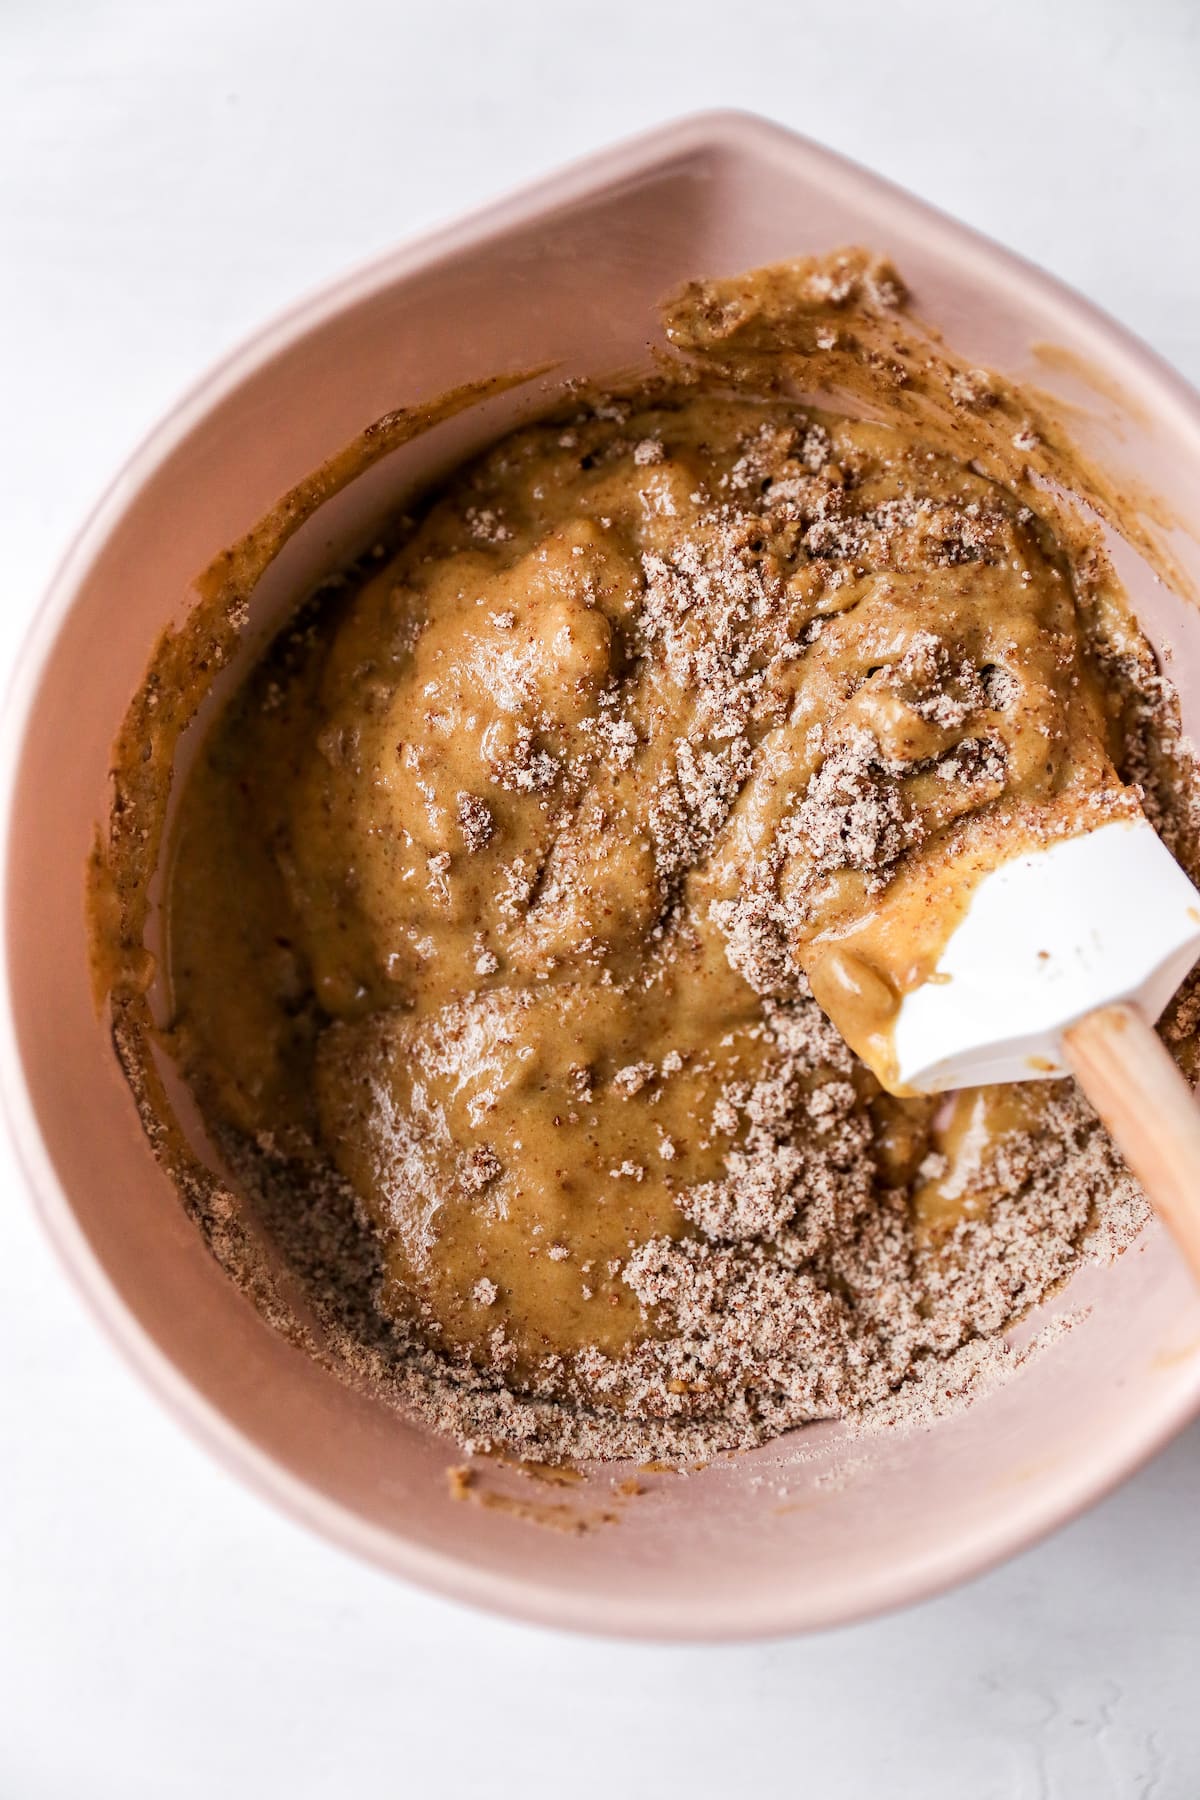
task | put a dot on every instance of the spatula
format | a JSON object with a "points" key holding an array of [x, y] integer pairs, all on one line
{"points": [[1062, 963]]}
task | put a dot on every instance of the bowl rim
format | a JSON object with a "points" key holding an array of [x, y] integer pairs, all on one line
{"points": [[919, 1576]]}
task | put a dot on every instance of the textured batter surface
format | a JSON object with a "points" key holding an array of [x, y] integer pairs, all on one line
{"points": [[498, 889]]}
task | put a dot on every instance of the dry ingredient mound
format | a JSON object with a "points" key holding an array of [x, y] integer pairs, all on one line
{"points": [[494, 884]]}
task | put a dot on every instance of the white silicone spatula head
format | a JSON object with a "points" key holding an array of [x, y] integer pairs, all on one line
{"points": [[1048, 938], [1061, 965]]}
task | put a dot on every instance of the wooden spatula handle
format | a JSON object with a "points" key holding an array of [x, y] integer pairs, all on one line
{"points": [[1131, 1079]]}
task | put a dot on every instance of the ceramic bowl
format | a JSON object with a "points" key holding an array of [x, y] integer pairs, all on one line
{"points": [[570, 273]]}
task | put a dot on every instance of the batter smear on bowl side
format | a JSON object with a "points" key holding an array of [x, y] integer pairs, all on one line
{"points": [[504, 892]]}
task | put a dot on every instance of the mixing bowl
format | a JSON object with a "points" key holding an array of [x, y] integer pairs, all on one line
{"points": [[570, 273]]}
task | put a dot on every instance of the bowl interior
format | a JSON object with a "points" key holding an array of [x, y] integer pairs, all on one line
{"points": [[812, 1531]]}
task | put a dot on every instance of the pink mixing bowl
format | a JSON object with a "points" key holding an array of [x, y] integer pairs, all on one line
{"points": [[570, 273]]}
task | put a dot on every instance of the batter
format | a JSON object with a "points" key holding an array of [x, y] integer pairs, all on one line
{"points": [[505, 892]]}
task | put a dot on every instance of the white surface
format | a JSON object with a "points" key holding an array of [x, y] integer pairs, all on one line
{"points": [[170, 171], [1048, 937]]}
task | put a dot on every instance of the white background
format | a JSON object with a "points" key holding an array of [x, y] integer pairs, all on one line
{"points": [[171, 171]]}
